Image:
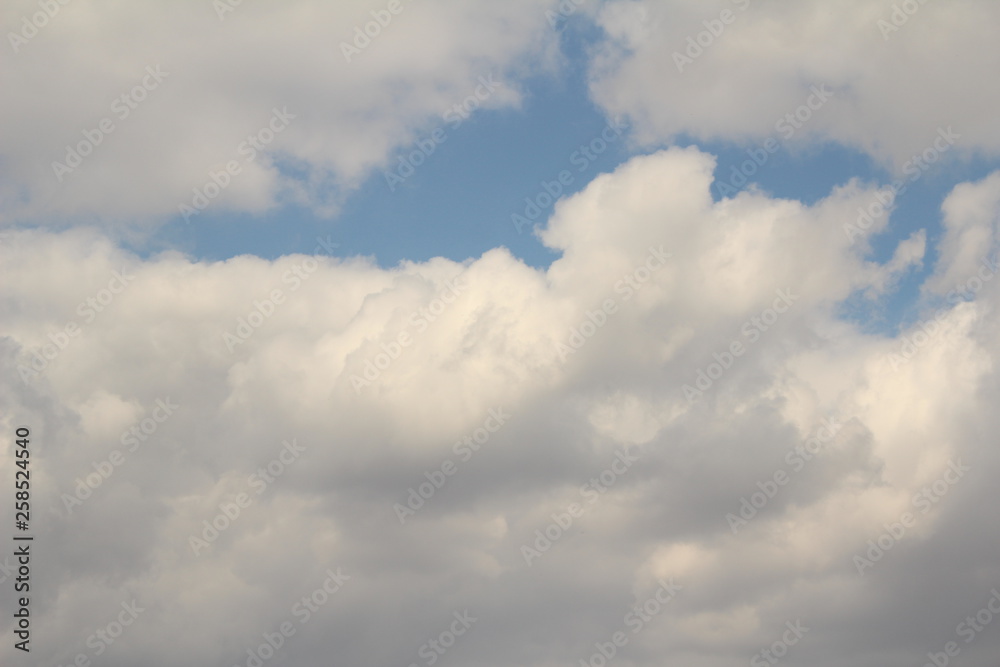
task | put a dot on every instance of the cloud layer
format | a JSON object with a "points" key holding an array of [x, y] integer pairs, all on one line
{"points": [[677, 444], [221, 73], [734, 69], [555, 397]]}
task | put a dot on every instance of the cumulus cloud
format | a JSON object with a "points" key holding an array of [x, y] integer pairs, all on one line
{"points": [[124, 109], [669, 445], [316, 395], [735, 69]]}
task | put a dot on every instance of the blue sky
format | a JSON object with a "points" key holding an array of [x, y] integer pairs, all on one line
{"points": [[459, 203], [701, 398]]}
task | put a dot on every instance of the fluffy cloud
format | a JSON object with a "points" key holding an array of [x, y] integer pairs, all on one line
{"points": [[734, 69], [162, 96], [376, 377]]}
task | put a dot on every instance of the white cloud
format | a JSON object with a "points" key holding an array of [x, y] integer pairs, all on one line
{"points": [[495, 345], [890, 96], [217, 84]]}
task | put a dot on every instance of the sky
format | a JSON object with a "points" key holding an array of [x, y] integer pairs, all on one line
{"points": [[537, 333]]}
